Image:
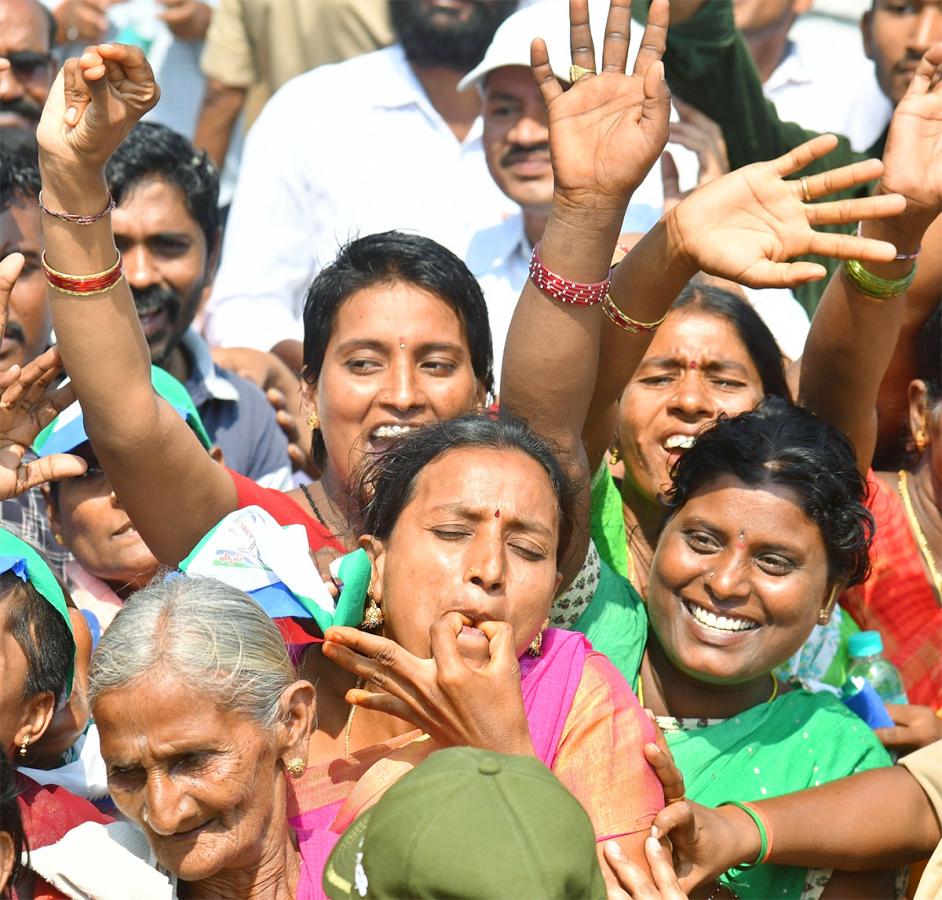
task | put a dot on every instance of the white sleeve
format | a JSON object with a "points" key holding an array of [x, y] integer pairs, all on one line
{"points": [[269, 251]]}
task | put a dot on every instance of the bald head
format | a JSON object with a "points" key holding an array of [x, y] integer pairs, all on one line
{"points": [[26, 65]]}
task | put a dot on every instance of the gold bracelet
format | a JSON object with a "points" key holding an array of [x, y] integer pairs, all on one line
{"points": [[49, 270], [625, 322], [874, 286]]}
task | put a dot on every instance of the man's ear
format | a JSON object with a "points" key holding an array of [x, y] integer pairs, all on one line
{"points": [[866, 23]]}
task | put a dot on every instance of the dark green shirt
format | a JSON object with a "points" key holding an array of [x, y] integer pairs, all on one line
{"points": [[708, 64]]}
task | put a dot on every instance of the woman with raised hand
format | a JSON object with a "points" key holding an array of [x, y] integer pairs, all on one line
{"points": [[396, 337]]}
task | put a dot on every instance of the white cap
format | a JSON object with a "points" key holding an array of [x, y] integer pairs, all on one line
{"points": [[548, 19]]}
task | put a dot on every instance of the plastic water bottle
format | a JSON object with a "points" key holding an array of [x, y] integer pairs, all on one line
{"points": [[866, 650]]}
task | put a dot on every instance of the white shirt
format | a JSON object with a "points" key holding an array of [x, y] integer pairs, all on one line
{"points": [[342, 151], [826, 84]]}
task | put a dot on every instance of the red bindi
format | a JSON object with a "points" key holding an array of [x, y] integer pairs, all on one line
{"points": [[496, 513], [693, 364]]}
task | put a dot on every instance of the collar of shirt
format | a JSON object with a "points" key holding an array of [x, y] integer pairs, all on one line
{"points": [[205, 381], [403, 88], [793, 69], [498, 246]]}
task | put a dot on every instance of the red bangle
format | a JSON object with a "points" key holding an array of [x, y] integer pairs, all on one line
{"points": [[562, 289], [83, 285], [77, 220]]}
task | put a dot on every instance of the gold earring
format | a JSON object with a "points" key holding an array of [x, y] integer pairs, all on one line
{"points": [[296, 766], [57, 537], [614, 455], [313, 421], [825, 615], [373, 615], [921, 441], [536, 646], [24, 746]]}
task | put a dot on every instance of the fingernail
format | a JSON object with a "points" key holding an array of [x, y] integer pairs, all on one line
{"points": [[653, 748], [71, 115], [652, 845], [650, 714], [614, 849], [655, 832]]}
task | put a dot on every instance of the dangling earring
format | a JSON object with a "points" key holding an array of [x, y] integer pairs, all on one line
{"points": [[57, 537], [313, 421], [373, 615], [296, 767], [825, 615], [24, 746], [920, 439], [614, 455], [535, 649]]}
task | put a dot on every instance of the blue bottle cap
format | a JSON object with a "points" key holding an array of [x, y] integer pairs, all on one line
{"points": [[865, 643]]}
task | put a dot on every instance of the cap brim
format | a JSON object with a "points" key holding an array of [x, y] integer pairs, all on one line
{"points": [[339, 881]]}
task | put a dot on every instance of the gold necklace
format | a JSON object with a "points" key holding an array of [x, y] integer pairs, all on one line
{"points": [[772, 696], [918, 533], [346, 731]]}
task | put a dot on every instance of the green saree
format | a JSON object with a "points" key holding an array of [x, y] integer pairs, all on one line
{"points": [[799, 740]]}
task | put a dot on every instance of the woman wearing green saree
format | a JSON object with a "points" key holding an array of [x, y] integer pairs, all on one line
{"points": [[766, 524]]}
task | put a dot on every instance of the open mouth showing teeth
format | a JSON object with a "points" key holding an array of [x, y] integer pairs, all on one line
{"points": [[679, 442], [389, 432], [719, 623]]}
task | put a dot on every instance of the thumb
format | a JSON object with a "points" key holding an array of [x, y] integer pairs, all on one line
{"points": [[83, 81]]}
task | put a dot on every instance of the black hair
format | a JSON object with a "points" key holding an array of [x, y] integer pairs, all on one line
{"points": [[43, 636], [388, 257], [156, 151], [10, 820], [386, 483], [752, 331], [19, 167], [929, 355], [780, 443]]}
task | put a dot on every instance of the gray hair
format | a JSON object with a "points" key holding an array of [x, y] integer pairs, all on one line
{"points": [[211, 636]]}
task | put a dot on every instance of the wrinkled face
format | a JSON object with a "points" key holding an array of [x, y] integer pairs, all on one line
{"points": [[25, 83], [516, 137], [204, 775], [696, 368], [13, 671], [756, 15], [30, 321], [896, 34], [397, 358], [166, 261], [479, 536], [95, 527], [738, 579]]}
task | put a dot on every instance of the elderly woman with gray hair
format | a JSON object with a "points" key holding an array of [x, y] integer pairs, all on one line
{"points": [[201, 715]]}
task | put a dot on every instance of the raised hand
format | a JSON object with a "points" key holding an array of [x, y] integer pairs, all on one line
{"points": [[747, 225], [607, 129], [26, 408], [453, 703], [95, 101], [913, 154]]}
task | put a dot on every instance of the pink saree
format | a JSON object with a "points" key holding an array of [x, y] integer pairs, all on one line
{"points": [[585, 725]]}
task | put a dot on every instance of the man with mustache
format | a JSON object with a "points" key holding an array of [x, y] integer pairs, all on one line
{"points": [[167, 228], [27, 67], [384, 140]]}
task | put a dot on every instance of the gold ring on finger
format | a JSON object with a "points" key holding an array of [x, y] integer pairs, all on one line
{"points": [[677, 799], [805, 193], [576, 72]]}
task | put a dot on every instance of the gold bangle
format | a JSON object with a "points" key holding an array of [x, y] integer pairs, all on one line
{"points": [[103, 290], [625, 322], [109, 271], [872, 285]]}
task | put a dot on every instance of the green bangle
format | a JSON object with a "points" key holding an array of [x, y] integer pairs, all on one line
{"points": [[763, 834], [873, 286]]}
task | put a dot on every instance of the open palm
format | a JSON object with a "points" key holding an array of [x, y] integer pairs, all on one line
{"points": [[747, 225], [606, 130], [913, 153], [27, 406]]}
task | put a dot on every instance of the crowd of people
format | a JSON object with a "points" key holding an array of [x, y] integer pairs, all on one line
{"points": [[477, 482]]}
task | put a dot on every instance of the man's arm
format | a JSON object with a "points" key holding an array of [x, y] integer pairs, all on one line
{"points": [[218, 115]]}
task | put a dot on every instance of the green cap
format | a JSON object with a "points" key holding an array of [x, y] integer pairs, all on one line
{"points": [[67, 430], [469, 823], [20, 558]]}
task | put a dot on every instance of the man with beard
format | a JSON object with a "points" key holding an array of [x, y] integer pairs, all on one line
{"points": [[381, 141], [166, 225], [27, 68]]}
